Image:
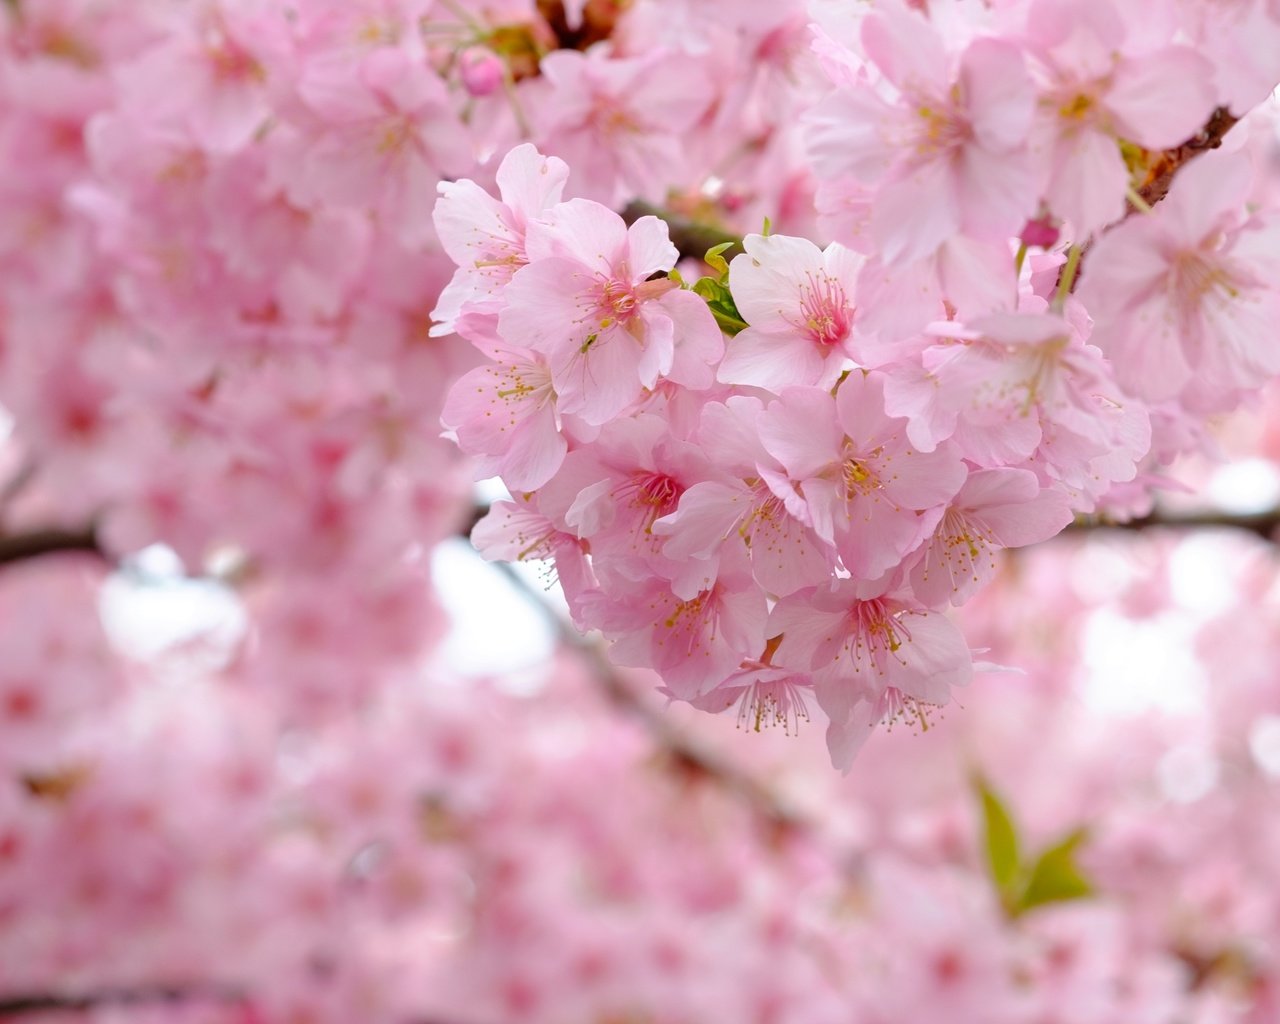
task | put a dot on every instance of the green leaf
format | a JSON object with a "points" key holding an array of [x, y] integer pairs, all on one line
{"points": [[720, 301], [1056, 877], [716, 261], [1000, 839], [730, 323]]}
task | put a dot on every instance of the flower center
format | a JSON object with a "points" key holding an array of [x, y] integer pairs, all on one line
{"points": [[877, 634], [858, 473], [777, 702], [1196, 276], [894, 706], [652, 495], [393, 136], [940, 128], [824, 310]]}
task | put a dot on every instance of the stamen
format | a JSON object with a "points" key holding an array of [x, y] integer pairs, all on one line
{"points": [[775, 702]]}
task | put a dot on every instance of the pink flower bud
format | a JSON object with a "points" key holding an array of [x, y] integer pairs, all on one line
{"points": [[1041, 232], [481, 70]]}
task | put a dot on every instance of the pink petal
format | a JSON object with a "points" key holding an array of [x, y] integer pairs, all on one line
{"points": [[800, 430], [581, 230], [907, 49], [1161, 99], [998, 93], [530, 182], [769, 360]]}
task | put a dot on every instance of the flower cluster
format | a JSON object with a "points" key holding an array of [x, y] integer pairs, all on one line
{"points": [[774, 482]]}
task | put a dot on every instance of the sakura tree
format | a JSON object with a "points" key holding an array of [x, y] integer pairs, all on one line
{"points": [[767, 327]]}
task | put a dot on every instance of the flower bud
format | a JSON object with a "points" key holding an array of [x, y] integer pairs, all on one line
{"points": [[481, 70]]}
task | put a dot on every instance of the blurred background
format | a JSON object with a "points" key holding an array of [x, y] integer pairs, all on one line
{"points": [[507, 829], [278, 747]]}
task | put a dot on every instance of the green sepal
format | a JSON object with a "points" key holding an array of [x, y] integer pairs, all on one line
{"points": [[1056, 877], [716, 261], [1000, 841], [719, 300], [1052, 876]]}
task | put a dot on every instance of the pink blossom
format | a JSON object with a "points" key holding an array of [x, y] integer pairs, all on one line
{"points": [[873, 654], [695, 642], [785, 553], [617, 121], [1018, 386], [613, 492], [995, 509], [1095, 91], [766, 697], [852, 474], [946, 151], [515, 531], [798, 301], [1183, 299], [962, 279], [1241, 39], [587, 302], [385, 133], [213, 79], [506, 411], [486, 236]]}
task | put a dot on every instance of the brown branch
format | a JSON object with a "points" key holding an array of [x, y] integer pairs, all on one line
{"points": [[693, 238], [1161, 167], [598, 19], [1161, 171], [17, 483], [687, 755], [1261, 524], [14, 1006], [17, 547]]}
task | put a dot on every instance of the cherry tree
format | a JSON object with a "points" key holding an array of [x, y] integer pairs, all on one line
{"points": [[766, 328]]}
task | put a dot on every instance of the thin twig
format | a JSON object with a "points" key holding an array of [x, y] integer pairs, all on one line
{"points": [[686, 753], [17, 483], [13, 1006], [17, 547], [1261, 524]]}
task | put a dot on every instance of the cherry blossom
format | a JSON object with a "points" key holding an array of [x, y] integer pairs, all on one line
{"points": [[799, 304], [1191, 281]]}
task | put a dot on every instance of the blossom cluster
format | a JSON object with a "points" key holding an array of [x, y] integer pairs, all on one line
{"points": [[772, 483], [217, 264]]}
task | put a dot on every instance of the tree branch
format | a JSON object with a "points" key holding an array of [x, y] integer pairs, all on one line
{"points": [[1261, 524], [17, 547], [1161, 171], [12, 1006], [693, 238], [687, 755]]}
